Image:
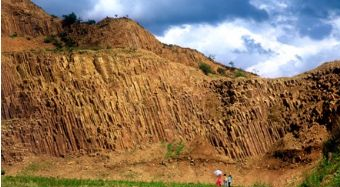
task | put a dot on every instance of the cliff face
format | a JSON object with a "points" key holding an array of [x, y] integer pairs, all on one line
{"points": [[140, 91], [115, 100], [296, 111], [88, 101], [24, 18]]}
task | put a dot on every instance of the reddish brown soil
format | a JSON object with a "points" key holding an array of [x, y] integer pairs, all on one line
{"points": [[149, 164], [9, 44]]}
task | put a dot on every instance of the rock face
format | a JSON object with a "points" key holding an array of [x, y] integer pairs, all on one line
{"points": [[259, 112], [23, 18], [141, 92], [63, 103]]}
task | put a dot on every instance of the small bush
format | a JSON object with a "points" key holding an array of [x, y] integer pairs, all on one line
{"points": [[239, 73], [54, 40], [14, 35], [179, 149], [221, 71], [232, 64], [49, 39], [330, 146], [3, 172], [70, 19], [69, 42], [206, 68], [174, 150], [336, 180], [57, 44], [260, 184], [169, 150], [211, 57]]}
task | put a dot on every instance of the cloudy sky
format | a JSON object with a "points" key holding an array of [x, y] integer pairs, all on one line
{"points": [[272, 38]]}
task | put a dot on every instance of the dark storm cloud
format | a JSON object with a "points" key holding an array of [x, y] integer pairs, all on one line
{"points": [[264, 36], [158, 15], [200, 11], [309, 17], [312, 16], [63, 7], [317, 8]]}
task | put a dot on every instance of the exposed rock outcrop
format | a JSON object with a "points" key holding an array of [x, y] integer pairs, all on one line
{"points": [[89, 101], [23, 18], [259, 112], [61, 103]]}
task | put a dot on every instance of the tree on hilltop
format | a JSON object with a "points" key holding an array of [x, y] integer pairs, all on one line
{"points": [[70, 19]]}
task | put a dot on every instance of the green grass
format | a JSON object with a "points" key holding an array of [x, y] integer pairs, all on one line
{"points": [[206, 68], [34, 181], [260, 184], [327, 174], [239, 73], [49, 39], [174, 150], [28, 181], [34, 167]]}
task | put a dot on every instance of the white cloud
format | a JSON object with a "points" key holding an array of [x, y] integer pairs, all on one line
{"points": [[136, 9], [205, 36], [295, 55], [291, 52], [103, 8]]}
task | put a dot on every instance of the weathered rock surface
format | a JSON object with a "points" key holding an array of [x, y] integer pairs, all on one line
{"points": [[23, 18], [62, 103], [259, 112], [88, 101]]}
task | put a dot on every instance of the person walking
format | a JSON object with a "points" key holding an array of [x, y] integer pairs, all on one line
{"points": [[219, 181], [229, 180], [225, 180]]}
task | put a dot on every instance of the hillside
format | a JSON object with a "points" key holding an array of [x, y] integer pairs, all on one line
{"points": [[118, 98], [23, 18]]}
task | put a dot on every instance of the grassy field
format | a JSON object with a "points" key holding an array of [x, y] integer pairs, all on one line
{"points": [[327, 174], [28, 181]]}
